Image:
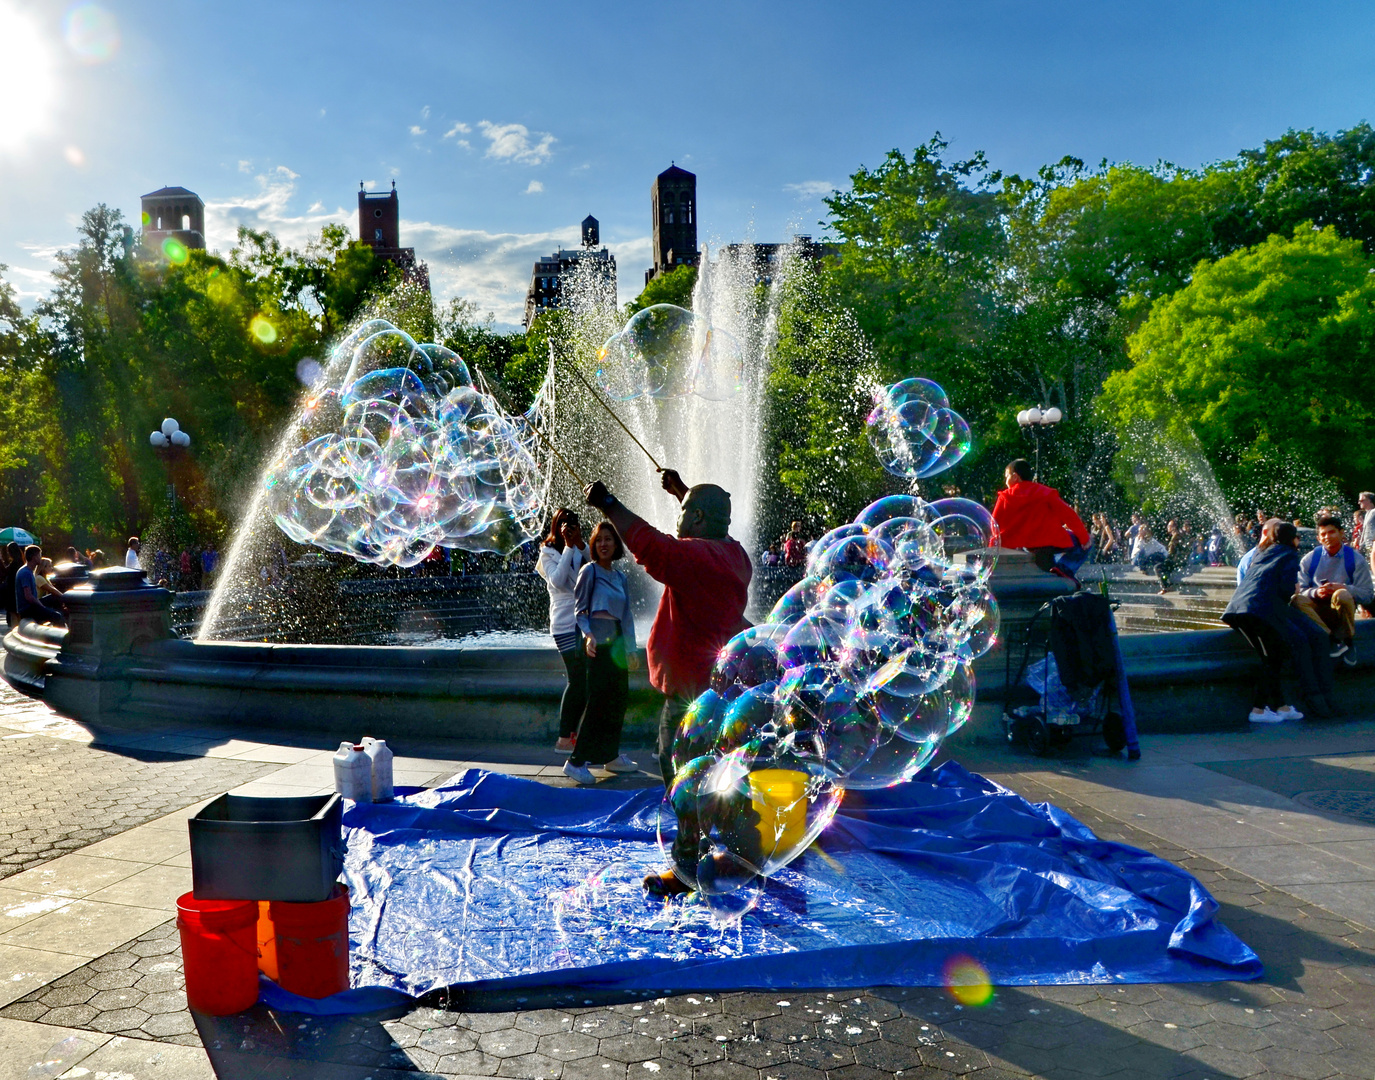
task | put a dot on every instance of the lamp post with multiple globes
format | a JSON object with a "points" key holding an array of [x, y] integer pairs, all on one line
{"points": [[1034, 420], [169, 441]]}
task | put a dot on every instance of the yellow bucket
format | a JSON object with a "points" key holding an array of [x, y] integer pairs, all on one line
{"points": [[780, 800]]}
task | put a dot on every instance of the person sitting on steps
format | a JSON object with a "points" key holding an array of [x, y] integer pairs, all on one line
{"points": [[1333, 579], [1034, 517]]}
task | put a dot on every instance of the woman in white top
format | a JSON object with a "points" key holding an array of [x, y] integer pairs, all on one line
{"points": [[602, 609], [561, 556]]}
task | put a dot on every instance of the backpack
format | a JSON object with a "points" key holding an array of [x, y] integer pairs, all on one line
{"points": [[1310, 562]]}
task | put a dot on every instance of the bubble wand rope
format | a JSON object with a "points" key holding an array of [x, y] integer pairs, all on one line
{"points": [[600, 401], [487, 388]]}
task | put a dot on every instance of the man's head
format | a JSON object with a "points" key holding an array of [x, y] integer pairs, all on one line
{"points": [[1284, 532], [1262, 516], [1017, 469], [1137, 519], [796, 528], [705, 514], [32, 554], [1367, 501], [1331, 535], [133, 542]]}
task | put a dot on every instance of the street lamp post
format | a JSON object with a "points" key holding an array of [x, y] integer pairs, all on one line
{"points": [[1033, 420], [169, 441]]}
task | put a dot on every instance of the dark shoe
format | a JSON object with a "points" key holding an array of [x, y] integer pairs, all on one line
{"points": [[1316, 707], [1349, 657], [1339, 648], [1134, 754]]}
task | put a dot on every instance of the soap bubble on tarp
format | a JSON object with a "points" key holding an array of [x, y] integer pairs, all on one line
{"points": [[914, 431], [404, 455], [854, 680], [666, 351]]}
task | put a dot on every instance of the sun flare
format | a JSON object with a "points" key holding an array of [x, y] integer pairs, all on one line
{"points": [[27, 79]]}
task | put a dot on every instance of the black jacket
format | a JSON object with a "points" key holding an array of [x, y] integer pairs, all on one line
{"points": [[1268, 587]]}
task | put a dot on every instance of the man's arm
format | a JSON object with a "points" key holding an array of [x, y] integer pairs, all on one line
{"points": [[667, 559], [1306, 584], [1072, 521]]}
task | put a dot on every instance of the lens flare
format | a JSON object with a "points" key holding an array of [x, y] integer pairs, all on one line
{"points": [[91, 32], [175, 251], [966, 980], [263, 330]]}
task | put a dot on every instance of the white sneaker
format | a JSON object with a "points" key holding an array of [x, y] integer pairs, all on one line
{"points": [[1258, 716], [621, 764], [1288, 712], [581, 773]]}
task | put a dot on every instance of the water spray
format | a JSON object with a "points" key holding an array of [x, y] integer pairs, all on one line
{"points": [[553, 358]]}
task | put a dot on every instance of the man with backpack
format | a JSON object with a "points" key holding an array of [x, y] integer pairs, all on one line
{"points": [[1333, 579]]}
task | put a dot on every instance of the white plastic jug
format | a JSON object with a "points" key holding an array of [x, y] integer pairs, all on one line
{"points": [[353, 772], [381, 757]]}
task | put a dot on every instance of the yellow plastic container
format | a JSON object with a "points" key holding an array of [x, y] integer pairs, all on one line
{"points": [[780, 800]]}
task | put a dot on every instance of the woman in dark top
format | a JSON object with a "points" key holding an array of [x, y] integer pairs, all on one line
{"points": [[1260, 611]]}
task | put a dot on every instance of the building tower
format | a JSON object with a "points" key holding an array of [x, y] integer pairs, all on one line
{"points": [[379, 226], [589, 271], [673, 197], [175, 214]]}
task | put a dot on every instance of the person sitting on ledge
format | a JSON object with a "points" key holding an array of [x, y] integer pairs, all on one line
{"points": [[1333, 579], [706, 578], [1033, 516]]}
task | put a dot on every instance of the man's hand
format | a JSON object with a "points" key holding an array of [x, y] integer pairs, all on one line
{"points": [[1326, 589], [589, 646], [673, 484], [598, 496]]}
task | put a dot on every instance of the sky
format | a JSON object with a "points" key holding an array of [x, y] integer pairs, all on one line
{"points": [[503, 125]]}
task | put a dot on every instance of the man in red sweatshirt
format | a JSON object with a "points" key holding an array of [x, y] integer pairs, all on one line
{"points": [[1033, 516], [706, 578]]}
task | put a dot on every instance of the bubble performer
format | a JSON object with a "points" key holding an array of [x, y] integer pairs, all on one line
{"points": [[706, 577]]}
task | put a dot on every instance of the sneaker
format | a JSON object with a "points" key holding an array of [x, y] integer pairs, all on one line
{"points": [[1349, 657], [1288, 712], [581, 773], [1339, 648], [1258, 716], [622, 764], [564, 746]]}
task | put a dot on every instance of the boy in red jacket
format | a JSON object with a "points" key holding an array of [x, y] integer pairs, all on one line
{"points": [[1033, 516], [706, 578]]}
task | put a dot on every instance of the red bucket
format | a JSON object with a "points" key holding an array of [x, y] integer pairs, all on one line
{"points": [[312, 945], [219, 951]]}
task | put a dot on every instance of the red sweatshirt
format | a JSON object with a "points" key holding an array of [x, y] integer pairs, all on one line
{"points": [[706, 586], [1032, 515]]}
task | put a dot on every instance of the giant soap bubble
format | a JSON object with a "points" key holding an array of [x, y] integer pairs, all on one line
{"points": [[405, 455], [666, 351], [853, 681], [914, 430]]}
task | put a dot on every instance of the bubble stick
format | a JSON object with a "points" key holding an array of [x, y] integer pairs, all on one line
{"points": [[600, 401], [535, 428]]}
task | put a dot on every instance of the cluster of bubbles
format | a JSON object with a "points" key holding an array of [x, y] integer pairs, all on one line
{"points": [[914, 430], [853, 681], [666, 351], [404, 454]]}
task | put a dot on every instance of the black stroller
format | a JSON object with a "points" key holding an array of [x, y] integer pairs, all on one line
{"points": [[1069, 690]]}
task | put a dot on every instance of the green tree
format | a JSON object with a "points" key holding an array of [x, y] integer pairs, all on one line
{"points": [[673, 287], [1265, 357]]}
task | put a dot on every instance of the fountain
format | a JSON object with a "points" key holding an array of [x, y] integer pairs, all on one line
{"points": [[305, 637]]}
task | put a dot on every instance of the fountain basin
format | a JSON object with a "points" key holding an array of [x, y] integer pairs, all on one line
{"points": [[120, 664]]}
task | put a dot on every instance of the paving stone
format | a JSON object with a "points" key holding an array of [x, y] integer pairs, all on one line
{"points": [[119, 1020], [168, 1024], [909, 1031], [889, 1057], [111, 1000], [791, 1070], [1231, 1063], [598, 1068], [822, 1054], [71, 1016], [1296, 1063], [629, 1048], [784, 1029], [544, 1021], [719, 1070], [953, 1058], [567, 1045], [471, 1063], [692, 1050], [531, 1067], [755, 1053], [508, 1043]]}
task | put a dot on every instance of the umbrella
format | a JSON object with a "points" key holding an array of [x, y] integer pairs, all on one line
{"points": [[18, 536]]}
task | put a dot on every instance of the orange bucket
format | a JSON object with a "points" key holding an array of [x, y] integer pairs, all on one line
{"points": [[267, 941], [219, 953], [312, 945]]}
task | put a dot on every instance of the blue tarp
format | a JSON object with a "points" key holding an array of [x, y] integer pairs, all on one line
{"points": [[496, 880]]}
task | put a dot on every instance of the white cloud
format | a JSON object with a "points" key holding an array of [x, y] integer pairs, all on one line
{"points": [[245, 166], [459, 128], [490, 268], [534, 188], [512, 142], [425, 113], [465, 144], [416, 129], [810, 188]]}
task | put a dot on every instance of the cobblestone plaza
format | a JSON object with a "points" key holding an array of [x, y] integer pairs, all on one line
{"points": [[1275, 823]]}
